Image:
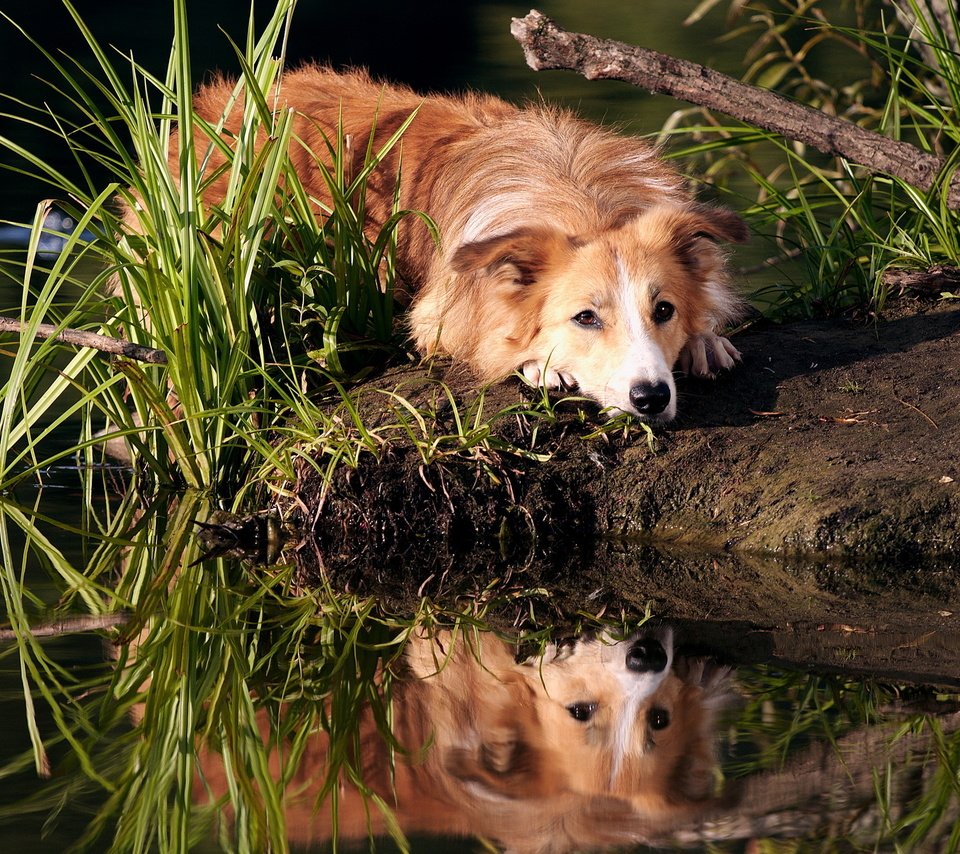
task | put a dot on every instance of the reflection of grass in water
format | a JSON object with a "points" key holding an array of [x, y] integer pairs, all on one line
{"points": [[789, 709], [217, 646], [220, 647], [916, 795], [206, 649]]}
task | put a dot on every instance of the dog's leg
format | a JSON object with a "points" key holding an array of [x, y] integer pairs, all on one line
{"points": [[706, 354]]}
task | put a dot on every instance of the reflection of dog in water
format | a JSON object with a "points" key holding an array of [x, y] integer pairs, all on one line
{"points": [[595, 743]]}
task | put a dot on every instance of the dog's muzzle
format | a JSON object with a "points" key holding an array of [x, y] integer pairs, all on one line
{"points": [[646, 655]]}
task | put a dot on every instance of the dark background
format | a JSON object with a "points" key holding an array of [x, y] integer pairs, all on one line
{"points": [[431, 45], [426, 44]]}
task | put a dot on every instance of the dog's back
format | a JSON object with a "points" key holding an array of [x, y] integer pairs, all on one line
{"points": [[474, 163]]}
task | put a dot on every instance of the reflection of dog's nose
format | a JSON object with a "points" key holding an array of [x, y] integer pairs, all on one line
{"points": [[650, 398], [646, 655]]}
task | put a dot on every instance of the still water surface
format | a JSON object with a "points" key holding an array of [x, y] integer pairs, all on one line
{"points": [[494, 706]]}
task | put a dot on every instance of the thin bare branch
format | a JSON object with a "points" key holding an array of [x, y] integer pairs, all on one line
{"points": [[546, 46], [115, 346], [71, 626]]}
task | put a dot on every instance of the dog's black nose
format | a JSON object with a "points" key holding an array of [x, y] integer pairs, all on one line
{"points": [[650, 398], [646, 656]]}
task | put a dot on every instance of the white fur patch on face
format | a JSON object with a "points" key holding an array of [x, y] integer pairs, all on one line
{"points": [[638, 359], [637, 689]]}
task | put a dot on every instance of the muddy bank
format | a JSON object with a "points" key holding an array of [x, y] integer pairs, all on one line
{"points": [[838, 438]]}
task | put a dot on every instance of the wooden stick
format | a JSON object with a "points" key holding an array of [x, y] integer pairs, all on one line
{"points": [[546, 46], [71, 625], [116, 346]]}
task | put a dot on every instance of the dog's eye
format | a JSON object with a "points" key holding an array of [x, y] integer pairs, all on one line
{"points": [[663, 311], [658, 718], [582, 711], [587, 318]]}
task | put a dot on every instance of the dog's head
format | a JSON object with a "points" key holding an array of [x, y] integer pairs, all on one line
{"points": [[598, 727], [632, 722], [607, 314]]}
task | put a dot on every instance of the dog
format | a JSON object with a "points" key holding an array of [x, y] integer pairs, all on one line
{"points": [[595, 743], [569, 252]]}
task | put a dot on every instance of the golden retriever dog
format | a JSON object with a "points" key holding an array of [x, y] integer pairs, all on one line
{"points": [[597, 743], [568, 251]]}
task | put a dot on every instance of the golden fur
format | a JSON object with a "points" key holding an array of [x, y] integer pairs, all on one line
{"points": [[568, 251], [490, 747]]}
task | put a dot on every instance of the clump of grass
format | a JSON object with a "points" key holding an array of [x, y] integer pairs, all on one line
{"points": [[265, 290], [788, 713], [848, 385], [426, 415], [840, 227]]}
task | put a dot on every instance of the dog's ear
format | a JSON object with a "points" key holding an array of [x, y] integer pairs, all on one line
{"points": [[696, 231], [568, 821], [520, 255], [707, 689], [504, 765], [509, 758], [718, 224]]}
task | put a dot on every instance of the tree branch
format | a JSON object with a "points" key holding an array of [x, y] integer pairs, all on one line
{"points": [[546, 46], [941, 278], [71, 625], [116, 346], [921, 21], [830, 789]]}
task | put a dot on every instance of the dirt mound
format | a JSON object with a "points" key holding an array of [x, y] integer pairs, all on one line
{"points": [[804, 508]]}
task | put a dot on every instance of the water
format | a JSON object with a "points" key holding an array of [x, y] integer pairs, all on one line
{"points": [[749, 722], [809, 706]]}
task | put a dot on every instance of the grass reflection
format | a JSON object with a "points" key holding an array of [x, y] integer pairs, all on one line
{"points": [[236, 705]]}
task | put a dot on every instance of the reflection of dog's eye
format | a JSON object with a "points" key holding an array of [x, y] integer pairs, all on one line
{"points": [[587, 318], [663, 311], [658, 718], [582, 711]]}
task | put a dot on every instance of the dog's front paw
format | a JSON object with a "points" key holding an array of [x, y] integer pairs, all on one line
{"points": [[549, 378], [706, 354]]}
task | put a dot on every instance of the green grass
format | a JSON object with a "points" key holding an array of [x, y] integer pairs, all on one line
{"points": [[252, 300], [841, 227]]}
